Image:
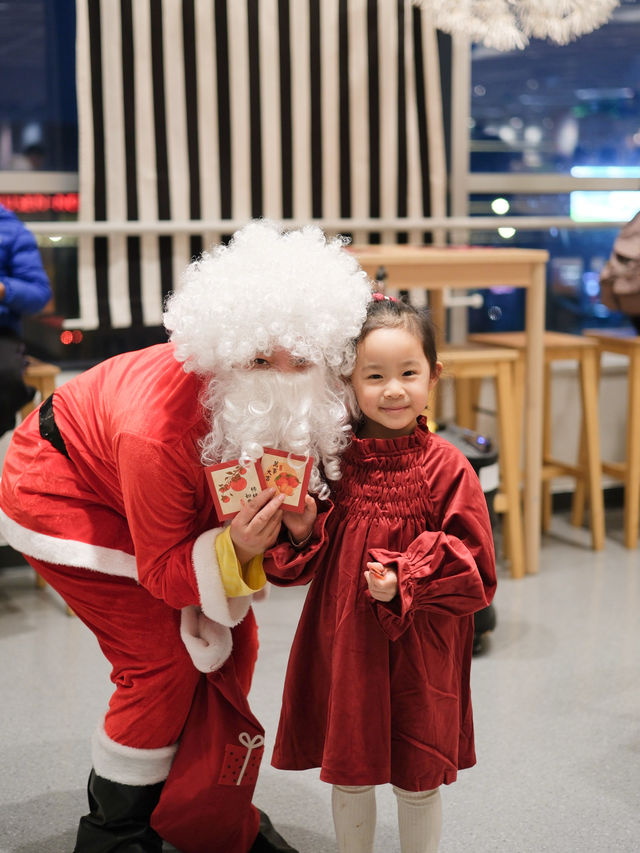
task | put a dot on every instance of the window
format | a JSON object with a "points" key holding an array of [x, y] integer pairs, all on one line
{"points": [[39, 148], [554, 131], [552, 107], [38, 118]]}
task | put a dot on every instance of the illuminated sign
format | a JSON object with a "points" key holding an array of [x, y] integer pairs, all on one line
{"points": [[604, 205], [40, 202]]}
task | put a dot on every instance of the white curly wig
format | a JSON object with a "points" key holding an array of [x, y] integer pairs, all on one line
{"points": [[269, 287]]}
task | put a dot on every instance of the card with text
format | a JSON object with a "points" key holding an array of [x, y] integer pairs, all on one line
{"points": [[231, 483], [289, 474]]}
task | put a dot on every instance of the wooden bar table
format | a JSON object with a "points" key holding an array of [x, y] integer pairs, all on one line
{"points": [[435, 269]]}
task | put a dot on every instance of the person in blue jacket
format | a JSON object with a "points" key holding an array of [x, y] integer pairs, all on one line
{"points": [[24, 289]]}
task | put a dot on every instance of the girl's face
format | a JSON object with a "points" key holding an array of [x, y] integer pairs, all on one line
{"points": [[392, 380]]}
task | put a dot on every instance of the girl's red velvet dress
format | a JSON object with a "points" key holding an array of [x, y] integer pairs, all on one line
{"points": [[380, 692]]}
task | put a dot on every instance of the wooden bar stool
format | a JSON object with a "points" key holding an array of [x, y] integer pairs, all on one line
{"points": [[625, 343], [468, 363], [41, 376], [587, 470]]}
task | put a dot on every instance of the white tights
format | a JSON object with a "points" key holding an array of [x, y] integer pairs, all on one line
{"points": [[354, 818]]}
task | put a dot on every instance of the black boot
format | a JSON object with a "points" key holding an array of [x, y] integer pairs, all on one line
{"points": [[268, 839], [119, 818], [484, 621]]}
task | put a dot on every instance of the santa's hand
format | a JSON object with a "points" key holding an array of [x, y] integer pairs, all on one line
{"points": [[382, 582], [300, 524], [256, 527]]}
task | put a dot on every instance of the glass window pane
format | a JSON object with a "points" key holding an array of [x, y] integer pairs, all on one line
{"points": [[38, 115], [550, 107], [576, 256]]}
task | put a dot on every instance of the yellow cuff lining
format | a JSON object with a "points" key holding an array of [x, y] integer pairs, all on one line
{"points": [[236, 579]]}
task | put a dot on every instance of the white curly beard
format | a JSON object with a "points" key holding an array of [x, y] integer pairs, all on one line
{"points": [[301, 412]]}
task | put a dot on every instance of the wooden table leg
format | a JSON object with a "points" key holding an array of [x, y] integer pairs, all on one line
{"points": [[535, 323], [591, 464], [632, 478], [509, 445]]}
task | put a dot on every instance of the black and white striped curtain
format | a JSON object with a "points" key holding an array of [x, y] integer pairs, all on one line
{"points": [[224, 110]]}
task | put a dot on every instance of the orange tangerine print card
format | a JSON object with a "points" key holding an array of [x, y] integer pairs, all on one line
{"points": [[232, 483], [289, 474]]}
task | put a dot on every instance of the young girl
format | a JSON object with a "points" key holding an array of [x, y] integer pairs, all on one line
{"points": [[377, 686]]}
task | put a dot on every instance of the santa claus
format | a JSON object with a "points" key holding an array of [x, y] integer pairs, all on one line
{"points": [[104, 491]]}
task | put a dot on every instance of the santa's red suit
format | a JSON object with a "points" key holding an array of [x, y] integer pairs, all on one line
{"points": [[107, 498]]}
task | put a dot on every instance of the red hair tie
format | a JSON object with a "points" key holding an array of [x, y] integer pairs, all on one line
{"points": [[380, 297]]}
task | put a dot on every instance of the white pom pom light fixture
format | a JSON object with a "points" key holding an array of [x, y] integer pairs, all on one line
{"points": [[509, 24]]}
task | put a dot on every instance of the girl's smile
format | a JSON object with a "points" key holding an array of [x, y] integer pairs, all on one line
{"points": [[392, 380]]}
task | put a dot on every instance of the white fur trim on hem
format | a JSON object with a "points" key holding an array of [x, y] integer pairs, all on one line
{"points": [[208, 642], [67, 552], [213, 598], [127, 764]]}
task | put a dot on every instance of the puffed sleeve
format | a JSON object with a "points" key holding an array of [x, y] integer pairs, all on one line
{"points": [[285, 565], [449, 570]]}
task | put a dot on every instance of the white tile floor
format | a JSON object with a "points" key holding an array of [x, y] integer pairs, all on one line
{"points": [[556, 698]]}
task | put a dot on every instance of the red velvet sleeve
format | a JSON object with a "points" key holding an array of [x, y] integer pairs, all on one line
{"points": [[449, 570], [159, 495], [284, 565]]}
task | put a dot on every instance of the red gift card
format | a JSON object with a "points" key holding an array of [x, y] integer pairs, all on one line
{"points": [[289, 474], [233, 483]]}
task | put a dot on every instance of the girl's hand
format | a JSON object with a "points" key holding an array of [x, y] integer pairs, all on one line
{"points": [[256, 527], [382, 582], [300, 524]]}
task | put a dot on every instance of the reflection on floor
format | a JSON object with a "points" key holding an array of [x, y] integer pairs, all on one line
{"points": [[556, 697]]}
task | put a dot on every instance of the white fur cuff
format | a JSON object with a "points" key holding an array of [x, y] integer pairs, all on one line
{"points": [[213, 598], [127, 764], [208, 642]]}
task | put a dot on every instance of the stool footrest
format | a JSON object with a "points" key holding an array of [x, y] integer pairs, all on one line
{"points": [[615, 469], [552, 468]]}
